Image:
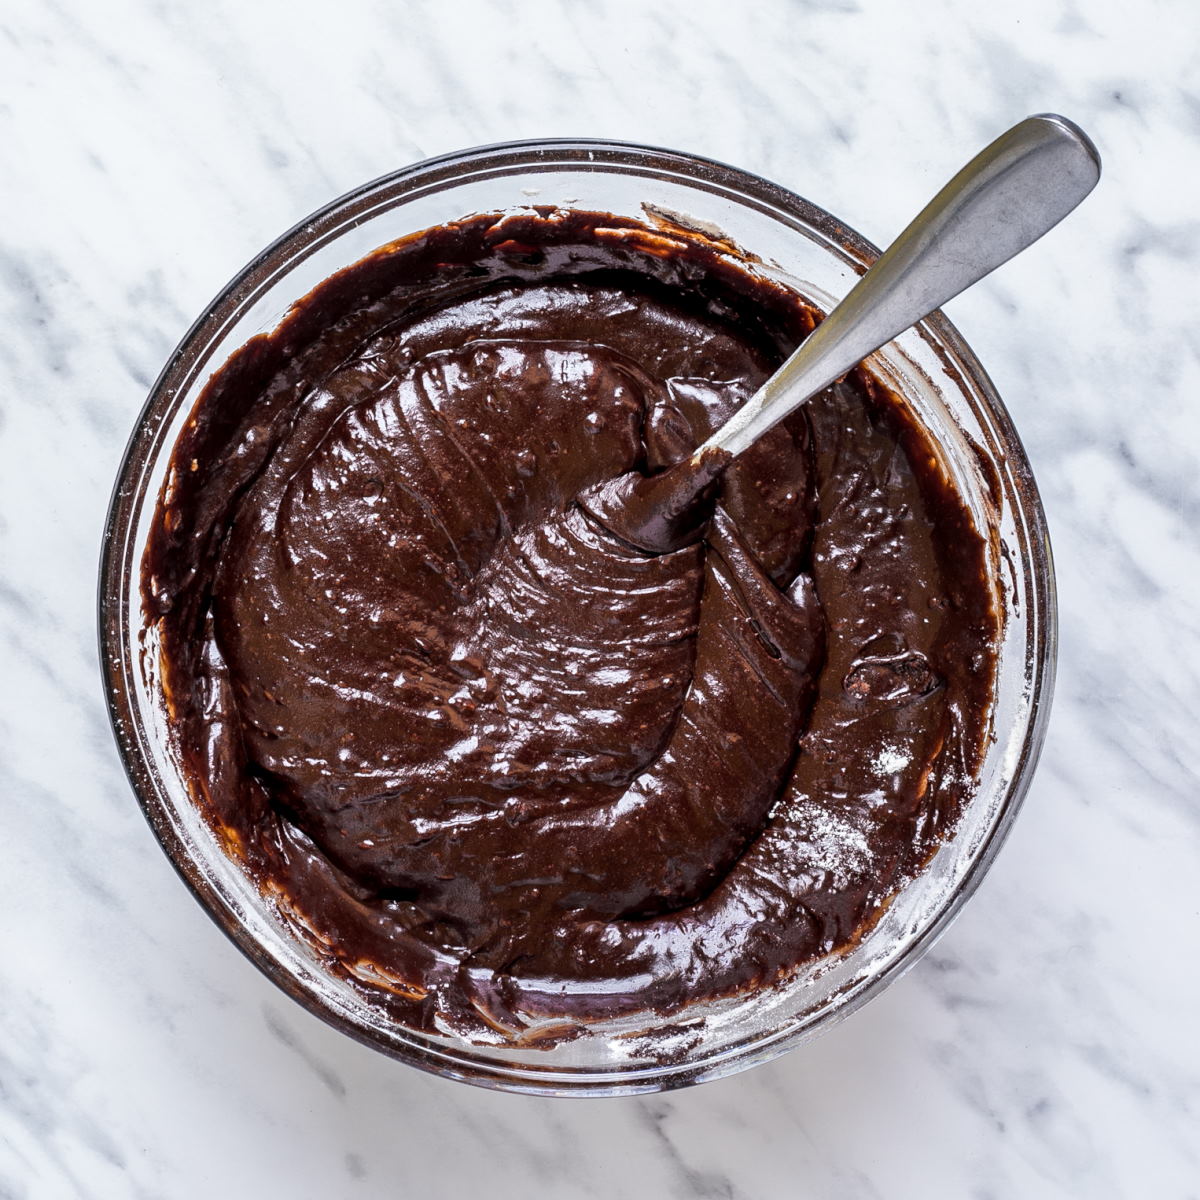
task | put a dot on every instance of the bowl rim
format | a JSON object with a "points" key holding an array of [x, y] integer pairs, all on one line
{"points": [[303, 238]]}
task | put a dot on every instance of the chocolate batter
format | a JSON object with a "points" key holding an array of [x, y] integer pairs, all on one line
{"points": [[518, 725]]}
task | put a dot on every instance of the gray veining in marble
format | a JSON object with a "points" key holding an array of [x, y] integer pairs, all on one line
{"points": [[1049, 1045]]}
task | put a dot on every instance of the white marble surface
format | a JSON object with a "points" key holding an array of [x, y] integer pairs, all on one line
{"points": [[1049, 1045]]}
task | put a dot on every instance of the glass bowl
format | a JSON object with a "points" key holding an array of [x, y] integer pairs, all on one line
{"points": [[930, 366]]}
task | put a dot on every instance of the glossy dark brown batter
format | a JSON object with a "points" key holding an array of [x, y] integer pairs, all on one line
{"points": [[509, 732]]}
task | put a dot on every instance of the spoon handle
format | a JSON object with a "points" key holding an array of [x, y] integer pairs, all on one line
{"points": [[1002, 201]]}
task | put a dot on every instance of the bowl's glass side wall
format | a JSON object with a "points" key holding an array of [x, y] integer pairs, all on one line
{"points": [[931, 369]]}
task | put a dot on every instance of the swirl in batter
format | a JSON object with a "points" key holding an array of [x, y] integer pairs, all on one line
{"points": [[505, 745]]}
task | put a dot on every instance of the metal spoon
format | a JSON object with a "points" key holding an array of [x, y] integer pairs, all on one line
{"points": [[1002, 201]]}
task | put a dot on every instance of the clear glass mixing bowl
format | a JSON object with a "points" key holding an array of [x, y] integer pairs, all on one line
{"points": [[930, 366]]}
